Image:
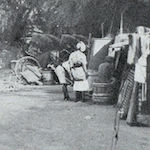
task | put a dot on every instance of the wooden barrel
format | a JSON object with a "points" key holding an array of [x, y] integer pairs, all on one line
{"points": [[92, 77], [47, 76], [103, 92]]}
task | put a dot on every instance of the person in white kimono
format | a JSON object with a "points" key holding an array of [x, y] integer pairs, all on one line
{"points": [[78, 62]]}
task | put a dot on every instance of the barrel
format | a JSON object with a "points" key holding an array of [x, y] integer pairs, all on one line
{"points": [[104, 92], [47, 76], [92, 77]]}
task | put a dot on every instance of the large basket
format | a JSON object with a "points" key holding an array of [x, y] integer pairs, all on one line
{"points": [[103, 92]]}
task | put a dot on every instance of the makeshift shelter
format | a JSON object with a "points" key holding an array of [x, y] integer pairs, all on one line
{"points": [[97, 54], [41, 43], [99, 51], [133, 99], [81, 38], [42, 46], [68, 42], [46, 41]]}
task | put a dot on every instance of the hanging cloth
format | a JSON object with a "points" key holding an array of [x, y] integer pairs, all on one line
{"points": [[133, 49], [145, 44], [140, 70]]}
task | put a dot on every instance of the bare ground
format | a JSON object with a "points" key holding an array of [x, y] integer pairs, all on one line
{"points": [[37, 118]]}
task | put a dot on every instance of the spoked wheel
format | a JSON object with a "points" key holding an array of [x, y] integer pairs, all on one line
{"points": [[22, 64]]}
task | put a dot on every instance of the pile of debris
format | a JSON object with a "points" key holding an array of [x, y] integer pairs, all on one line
{"points": [[30, 72]]}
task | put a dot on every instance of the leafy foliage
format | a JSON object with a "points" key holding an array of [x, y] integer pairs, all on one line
{"points": [[18, 18]]}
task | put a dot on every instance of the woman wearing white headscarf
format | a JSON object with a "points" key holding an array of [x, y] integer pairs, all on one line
{"points": [[78, 62]]}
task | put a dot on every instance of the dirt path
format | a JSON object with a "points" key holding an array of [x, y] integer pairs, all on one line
{"points": [[37, 118]]}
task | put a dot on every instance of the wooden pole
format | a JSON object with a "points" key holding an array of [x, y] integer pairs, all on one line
{"points": [[102, 29], [148, 83], [112, 22], [89, 47], [131, 118], [121, 21], [121, 24]]}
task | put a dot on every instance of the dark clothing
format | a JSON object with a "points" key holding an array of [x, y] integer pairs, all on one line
{"points": [[79, 96], [105, 72], [65, 92]]}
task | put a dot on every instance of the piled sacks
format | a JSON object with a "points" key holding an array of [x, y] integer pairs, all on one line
{"points": [[133, 99]]}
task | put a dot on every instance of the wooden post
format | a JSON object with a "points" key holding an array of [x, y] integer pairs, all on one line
{"points": [[148, 83], [121, 24], [89, 48], [102, 29], [131, 118]]}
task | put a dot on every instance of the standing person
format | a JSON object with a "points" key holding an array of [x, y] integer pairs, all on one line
{"points": [[78, 62], [63, 73]]}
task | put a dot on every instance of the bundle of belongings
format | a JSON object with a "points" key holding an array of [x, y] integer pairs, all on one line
{"points": [[132, 62]]}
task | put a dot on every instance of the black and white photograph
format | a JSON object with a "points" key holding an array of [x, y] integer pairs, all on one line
{"points": [[74, 74]]}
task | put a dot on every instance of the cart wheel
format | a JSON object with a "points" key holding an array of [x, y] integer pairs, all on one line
{"points": [[22, 63]]}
